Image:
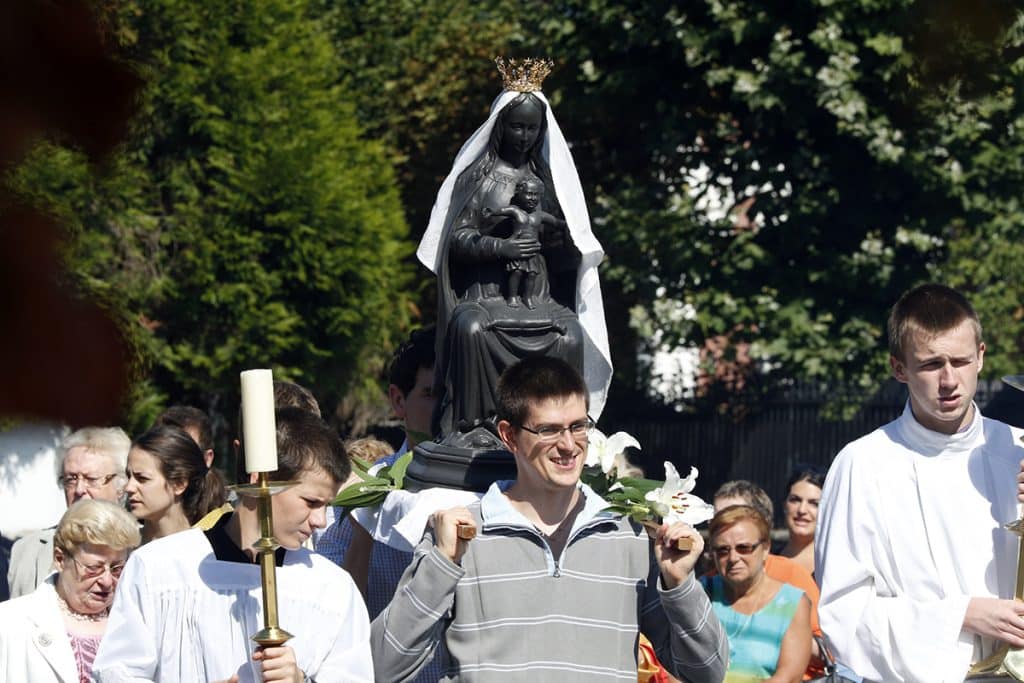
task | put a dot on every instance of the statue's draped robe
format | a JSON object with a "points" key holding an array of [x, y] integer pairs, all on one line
{"points": [[480, 335], [578, 291]]}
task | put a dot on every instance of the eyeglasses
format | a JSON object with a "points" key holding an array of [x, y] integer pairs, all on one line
{"points": [[740, 548], [92, 571], [70, 481], [580, 431]]}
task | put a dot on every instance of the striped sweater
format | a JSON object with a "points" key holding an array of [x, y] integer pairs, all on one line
{"points": [[511, 612]]}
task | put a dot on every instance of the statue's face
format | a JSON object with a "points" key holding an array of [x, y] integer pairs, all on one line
{"points": [[521, 129]]}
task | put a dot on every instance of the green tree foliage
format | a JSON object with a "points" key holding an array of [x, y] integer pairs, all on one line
{"points": [[422, 76], [986, 241], [248, 221], [775, 174]]}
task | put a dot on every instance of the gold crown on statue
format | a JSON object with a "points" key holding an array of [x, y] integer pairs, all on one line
{"points": [[523, 75]]}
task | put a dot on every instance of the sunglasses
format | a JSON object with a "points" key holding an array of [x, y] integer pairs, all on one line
{"points": [[740, 548]]}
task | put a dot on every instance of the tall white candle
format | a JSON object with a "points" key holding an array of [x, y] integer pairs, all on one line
{"points": [[259, 430]]}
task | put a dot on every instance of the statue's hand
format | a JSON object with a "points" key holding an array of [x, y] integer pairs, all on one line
{"points": [[518, 248]]}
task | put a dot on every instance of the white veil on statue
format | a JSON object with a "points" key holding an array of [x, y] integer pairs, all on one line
{"points": [[597, 366]]}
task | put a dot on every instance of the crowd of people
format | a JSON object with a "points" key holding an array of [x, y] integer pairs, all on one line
{"points": [[907, 573]]}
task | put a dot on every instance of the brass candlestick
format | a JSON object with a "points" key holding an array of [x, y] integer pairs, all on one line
{"points": [[272, 634], [1005, 662]]}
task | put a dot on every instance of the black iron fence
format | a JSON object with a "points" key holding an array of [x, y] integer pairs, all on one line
{"points": [[765, 446]]}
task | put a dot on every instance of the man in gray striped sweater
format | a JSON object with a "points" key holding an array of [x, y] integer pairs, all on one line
{"points": [[552, 588]]}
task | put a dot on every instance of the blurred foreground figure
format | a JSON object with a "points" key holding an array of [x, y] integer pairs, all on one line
{"points": [[61, 358]]}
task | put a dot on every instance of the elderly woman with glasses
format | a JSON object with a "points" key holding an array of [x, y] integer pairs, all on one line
{"points": [[52, 634], [92, 462], [768, 622]]}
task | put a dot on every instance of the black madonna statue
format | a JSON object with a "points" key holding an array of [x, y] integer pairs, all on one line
{"points": [[510, 241]]}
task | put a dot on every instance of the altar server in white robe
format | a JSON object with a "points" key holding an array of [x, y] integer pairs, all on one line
{"points": [[916, 570], [187, 604]]}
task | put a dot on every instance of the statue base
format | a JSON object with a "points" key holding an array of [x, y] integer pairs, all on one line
{"points": [[457, 467]]}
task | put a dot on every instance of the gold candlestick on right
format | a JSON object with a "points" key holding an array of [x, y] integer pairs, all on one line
{"points": [[1007, 662]]}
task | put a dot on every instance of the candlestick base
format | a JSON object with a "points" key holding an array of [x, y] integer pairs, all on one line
{"points": [[273, 636]]}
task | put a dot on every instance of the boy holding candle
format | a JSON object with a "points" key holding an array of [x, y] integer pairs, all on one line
{"points": [[188, 604]]}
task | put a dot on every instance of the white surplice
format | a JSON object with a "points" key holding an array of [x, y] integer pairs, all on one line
{"points": [[909, 529], [180, 614]]}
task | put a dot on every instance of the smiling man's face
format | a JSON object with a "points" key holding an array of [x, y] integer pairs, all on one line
{"points": [[548, 466]]}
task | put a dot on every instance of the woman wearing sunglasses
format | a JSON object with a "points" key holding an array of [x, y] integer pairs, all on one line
{"points": [[52, 634], [768, 622]]}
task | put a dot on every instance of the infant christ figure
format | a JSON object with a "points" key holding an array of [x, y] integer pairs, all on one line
{"points": [[529, 222]]}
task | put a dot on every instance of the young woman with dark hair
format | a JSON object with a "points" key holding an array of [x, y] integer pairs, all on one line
{"points": [[169, 486], [803, 494]]}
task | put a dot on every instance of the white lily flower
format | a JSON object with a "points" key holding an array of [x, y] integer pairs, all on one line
{"points": [[673, 501], [603, 449]]}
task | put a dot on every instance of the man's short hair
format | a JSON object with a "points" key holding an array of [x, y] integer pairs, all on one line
{"points": [[292, 395], [929, 309], [415, 354], [109, 441], [188, 419], [286, 395], [305, 443], [749, 492], [533, 380]]}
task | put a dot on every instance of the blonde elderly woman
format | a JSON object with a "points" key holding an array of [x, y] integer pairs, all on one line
{"points": [[52, 634]]}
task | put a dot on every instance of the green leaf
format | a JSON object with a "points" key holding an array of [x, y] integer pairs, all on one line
{"points": [[399, 467]]}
